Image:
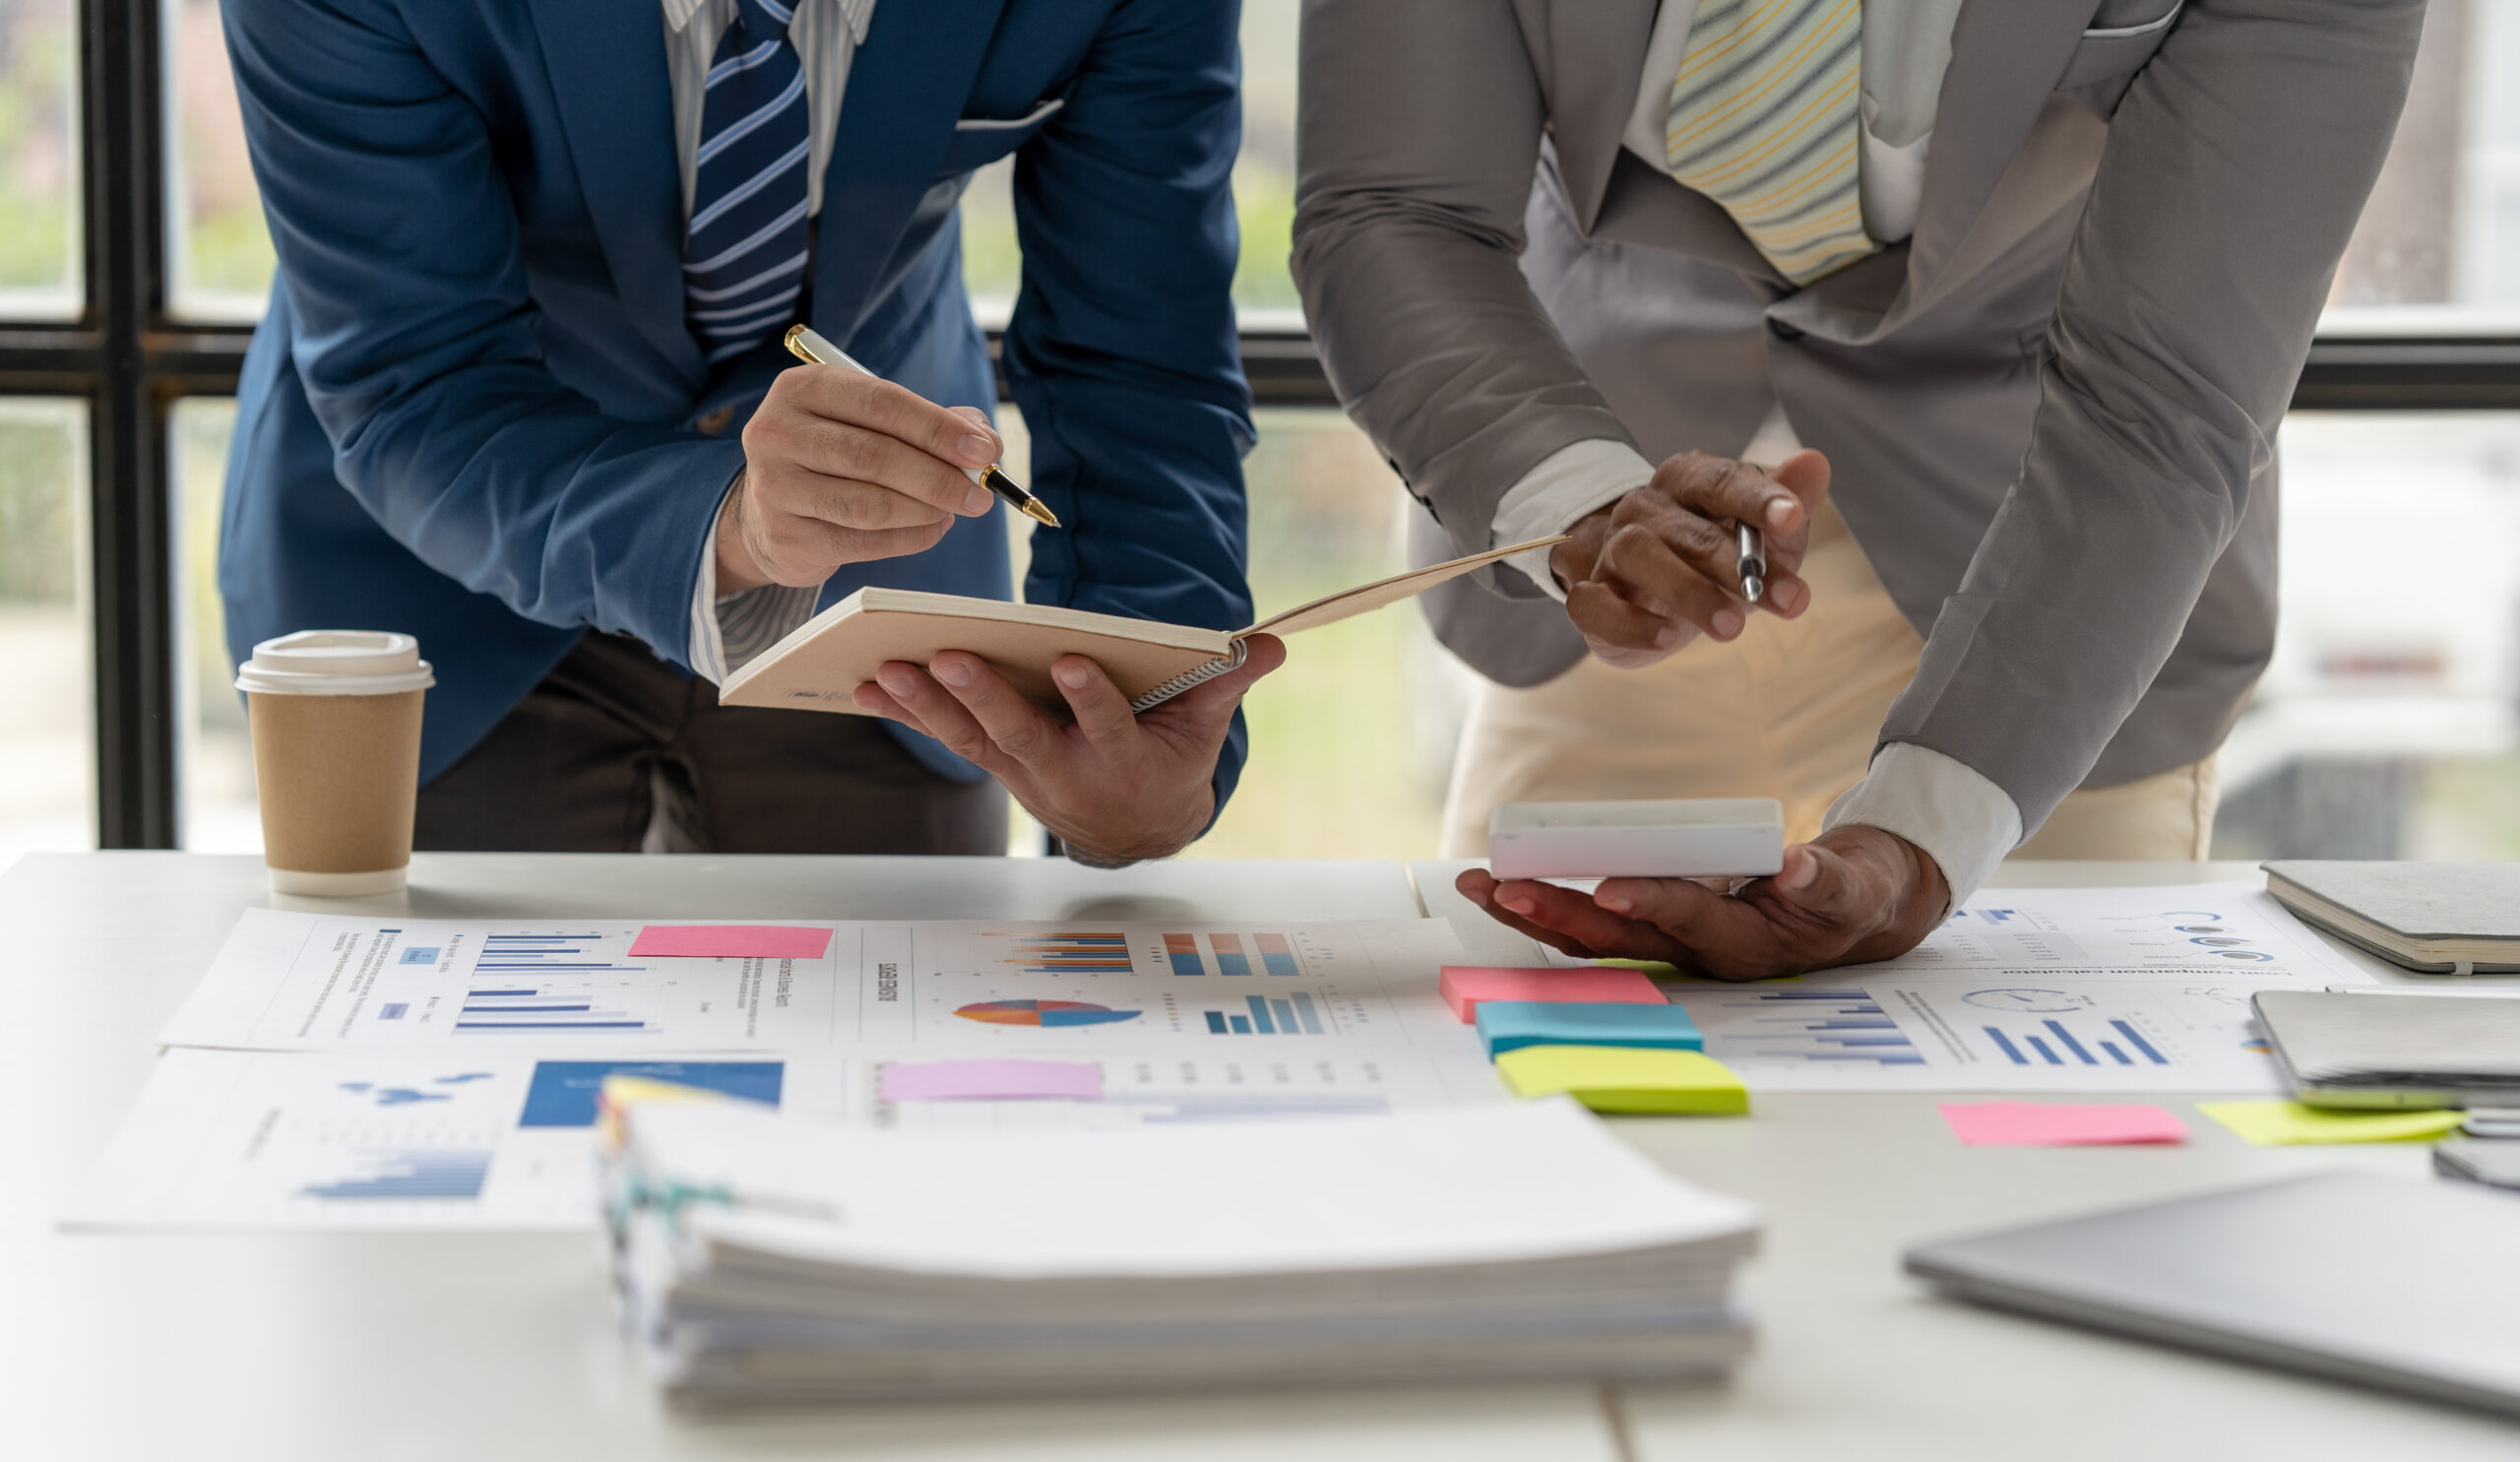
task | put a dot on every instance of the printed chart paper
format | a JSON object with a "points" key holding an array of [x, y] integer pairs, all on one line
{"points": [[337, 1140], [230, 1139], [300, 981], [2023, 990]]}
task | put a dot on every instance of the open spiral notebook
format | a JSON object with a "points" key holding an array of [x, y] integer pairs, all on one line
{"points": [[821, 665]]}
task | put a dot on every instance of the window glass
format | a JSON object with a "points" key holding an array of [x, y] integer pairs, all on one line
{"points": [[48, 739], [1264, 190], [2438, 247], [215, 756], [40, 277], [218, 251], [2389, 724], [1352, 741]]}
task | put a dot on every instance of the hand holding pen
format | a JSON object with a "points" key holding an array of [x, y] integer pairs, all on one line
{"points": [[1692, 552], [842, 468]]}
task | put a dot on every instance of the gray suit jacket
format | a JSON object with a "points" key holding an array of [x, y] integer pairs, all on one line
{"points": [[2049, 413]]}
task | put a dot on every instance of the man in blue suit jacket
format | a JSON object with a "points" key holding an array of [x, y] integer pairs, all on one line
{"points": [[490, 406]]}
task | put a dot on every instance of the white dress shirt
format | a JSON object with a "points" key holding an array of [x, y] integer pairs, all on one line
{"points": [[729, 630], [1962, 821]]}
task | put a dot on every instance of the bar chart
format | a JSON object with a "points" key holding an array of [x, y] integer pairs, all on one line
{"points": [[401, 1175], [1262, 1015], [544, 983], [1091, 952], [1825, 1027], [1232, 954], [2054, 1044]]}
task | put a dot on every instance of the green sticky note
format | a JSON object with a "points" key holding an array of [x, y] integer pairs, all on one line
{"points": [[1626, 1078], [2288, 1124], [1654, 969]]}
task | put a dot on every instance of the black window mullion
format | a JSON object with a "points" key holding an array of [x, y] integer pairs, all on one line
{"points": [[129, 520]]}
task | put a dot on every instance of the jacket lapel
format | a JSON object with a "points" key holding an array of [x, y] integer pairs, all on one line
{"points": [[616, 107], [2006, 57], [1597, 51], [907, 87]]}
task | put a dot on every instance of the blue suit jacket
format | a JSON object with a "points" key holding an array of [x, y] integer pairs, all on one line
{"points": [[471, 411]]}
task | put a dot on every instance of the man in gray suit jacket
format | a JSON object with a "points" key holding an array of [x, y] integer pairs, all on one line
{"points": [[2042, 371]]}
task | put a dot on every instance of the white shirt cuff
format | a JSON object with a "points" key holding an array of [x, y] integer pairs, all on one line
{"points": [[727, 632], [1964, 822], [1568, 483]]}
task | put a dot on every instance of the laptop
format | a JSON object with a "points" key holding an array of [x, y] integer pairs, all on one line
{"points": [[2406, 1284]]}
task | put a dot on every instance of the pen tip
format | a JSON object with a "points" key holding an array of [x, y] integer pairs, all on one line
{"points": [[1039, 512], [1753, 586]]}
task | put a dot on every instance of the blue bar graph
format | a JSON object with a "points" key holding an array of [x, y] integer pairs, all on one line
{"points": [[1216, 1023], [1286, 1015], [1260, 1022], [1825, 1025], [396, 1175], [2041, 1047], [1229, 963], [1275, 954], [1305, 1013], [2135, 1038], [2112, 1048], [2066, 1039], [1241, 1025], [2004, 1042], [1184, 951]]}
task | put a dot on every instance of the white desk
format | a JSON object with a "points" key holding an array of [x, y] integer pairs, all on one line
{"points": [[385, 1347]]}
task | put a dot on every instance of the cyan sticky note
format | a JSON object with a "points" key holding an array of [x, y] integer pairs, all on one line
{"points": [[1510, 1024], [1465, 988], [1626, 1078]]}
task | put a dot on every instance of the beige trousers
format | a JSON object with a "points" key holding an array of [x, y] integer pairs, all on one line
{"points": [[1789, 710]]}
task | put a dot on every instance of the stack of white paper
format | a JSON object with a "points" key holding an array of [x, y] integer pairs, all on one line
{"points": [[762, 1256]]}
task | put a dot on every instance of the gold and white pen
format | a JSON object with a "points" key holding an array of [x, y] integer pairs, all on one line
{"points": [[808, 346]]}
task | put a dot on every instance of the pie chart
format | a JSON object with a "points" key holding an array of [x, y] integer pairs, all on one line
{"points": [[1042, 1013]]}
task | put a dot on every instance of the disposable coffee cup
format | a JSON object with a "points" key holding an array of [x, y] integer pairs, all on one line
{"points": [[336, 715]]}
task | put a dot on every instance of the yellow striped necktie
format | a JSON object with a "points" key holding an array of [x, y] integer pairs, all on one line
{"points": [[1763, 121]]}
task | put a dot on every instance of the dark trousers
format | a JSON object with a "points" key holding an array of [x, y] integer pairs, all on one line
{"points": [[615, 752]]}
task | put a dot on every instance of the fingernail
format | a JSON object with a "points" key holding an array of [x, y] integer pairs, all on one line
{"points": [[976, 501], [950, 671], [1615, 905], [1073, 677], [1726, 624], [1804, 870], [900, 682], [1666, 637], [1519, 903], [977, 450], [1779, 511]]}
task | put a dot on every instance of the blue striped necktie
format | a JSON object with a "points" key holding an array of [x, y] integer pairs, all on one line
{"points": [[743, 257]]}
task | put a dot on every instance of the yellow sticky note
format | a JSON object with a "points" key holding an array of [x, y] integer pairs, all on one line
{"points": [[1665, 969], [2286, 1123], [1613, 1078]]}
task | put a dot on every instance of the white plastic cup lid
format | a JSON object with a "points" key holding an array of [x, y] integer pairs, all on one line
{"points": [[336, 661]]}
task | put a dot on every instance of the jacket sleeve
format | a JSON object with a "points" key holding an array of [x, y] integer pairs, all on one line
{"points": [[2230, 180], [416, 337], [1122, 352], [1420, 125]]}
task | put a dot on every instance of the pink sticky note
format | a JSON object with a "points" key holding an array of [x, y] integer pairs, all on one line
{"points": [[753, 941], [979, 1081], [2039, 1124], [1465, 986]]}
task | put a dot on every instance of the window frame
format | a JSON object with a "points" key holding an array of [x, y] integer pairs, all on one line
{"points": [[129, 358]]}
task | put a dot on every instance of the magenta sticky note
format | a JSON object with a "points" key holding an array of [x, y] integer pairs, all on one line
{"points": [[995, 1080], [751, 941], [1465, 985], [2039, 1124]]}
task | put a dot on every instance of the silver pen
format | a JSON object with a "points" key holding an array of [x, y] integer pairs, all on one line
{"points": [[807, 345], [1753, 567]]}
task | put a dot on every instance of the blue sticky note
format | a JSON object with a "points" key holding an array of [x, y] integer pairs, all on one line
{"points": [[1510, 1024]]}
